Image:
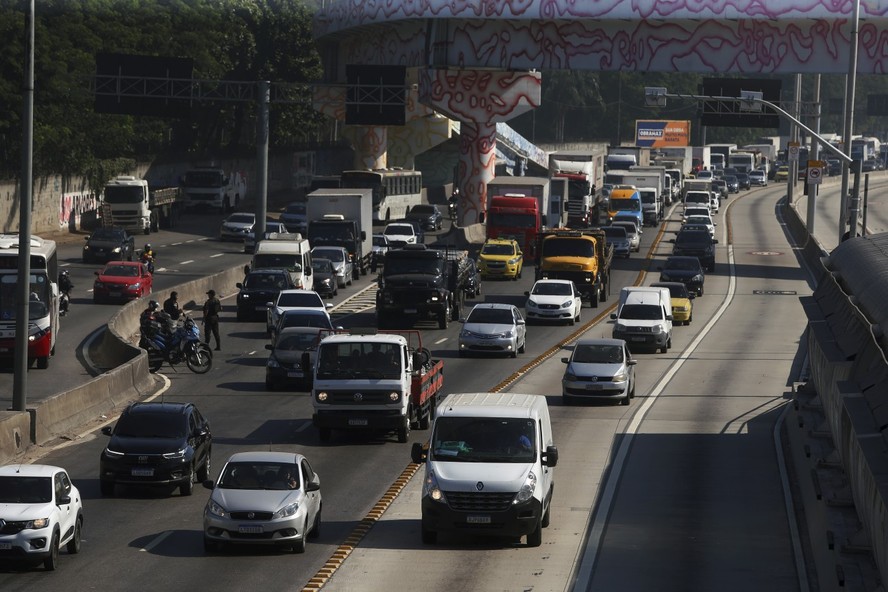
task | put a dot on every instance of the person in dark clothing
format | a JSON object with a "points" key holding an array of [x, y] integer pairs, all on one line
{"points": [[171, 306], [212, 308]]}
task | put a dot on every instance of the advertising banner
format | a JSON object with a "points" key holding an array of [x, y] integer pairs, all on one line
{"points": [[662, 132]]}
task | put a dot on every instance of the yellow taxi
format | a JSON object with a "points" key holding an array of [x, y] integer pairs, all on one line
{"points": [[682, 302], [500, 257], [782, 174]]}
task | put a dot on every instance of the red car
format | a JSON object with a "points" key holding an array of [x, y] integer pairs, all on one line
{"points": [[122, 280]]}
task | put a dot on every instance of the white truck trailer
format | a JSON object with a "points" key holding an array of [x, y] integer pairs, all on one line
{"points": [[343, 218]]}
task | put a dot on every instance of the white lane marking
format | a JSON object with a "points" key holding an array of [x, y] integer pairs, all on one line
{"points": [[159, 539], [216, 255], [178, 243], [440, 341], [64, 265], [186, 262], [606, 501], [305, 425]]}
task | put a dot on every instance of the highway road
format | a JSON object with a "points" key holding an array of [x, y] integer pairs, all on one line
{"points": [[682, 490]]}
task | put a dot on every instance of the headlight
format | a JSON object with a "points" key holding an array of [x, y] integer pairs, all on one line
{"points": [[244, 296], [620, 376], [531, 302], [273, 363], [286, 511], [619, 327], [136, 286], [514, 261], [37, 524], [566, 304], [116, 250], [526, 491], [216, 510], [110, 452], [394, 396], [569, 375], [174, 455], [322, 396], [506, 334], [697, 278], [431, 488]]}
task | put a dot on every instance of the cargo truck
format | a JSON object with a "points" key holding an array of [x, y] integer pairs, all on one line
{"points": [[584, 171], [128, 202], [623, 157], [701, 159], [383, 380], [211, 188], [665, 187], [583, 256], [535, 187], [343, 218]]}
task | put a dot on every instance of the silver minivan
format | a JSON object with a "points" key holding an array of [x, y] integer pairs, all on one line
{"points": [[489, 467]]}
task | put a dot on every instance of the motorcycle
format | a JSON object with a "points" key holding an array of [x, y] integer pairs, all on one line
{"points": [[64, 300], [147, 260], [183, 344], [451, 205]]}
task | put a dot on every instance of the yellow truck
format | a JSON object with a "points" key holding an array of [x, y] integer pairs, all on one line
{"points": [[579, 255]]}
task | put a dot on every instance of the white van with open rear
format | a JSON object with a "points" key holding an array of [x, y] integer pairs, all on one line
{"points": [[489, 467], [290, 252]]}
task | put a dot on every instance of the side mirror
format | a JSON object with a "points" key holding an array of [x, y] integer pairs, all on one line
{"points": [[613, 316], [312, 485], [521, 321], [715, 241], [209, 484], [550, 457], [526, 293], [64, 500], [691, 295], [668, 317], [269, 347], [417, 453], [565, 360], [107, 430], [671, 240], [416, 357], [97, 273], [631, 362], [239, 285], [363, 235], [269, 304]]}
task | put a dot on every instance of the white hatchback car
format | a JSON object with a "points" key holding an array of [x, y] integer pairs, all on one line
{"points": [[400, 234], [263, 498], [553, 300], [290, 300], [40, 510]]}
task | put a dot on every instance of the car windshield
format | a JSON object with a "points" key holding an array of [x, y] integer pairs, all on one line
{"points": [[614, 232], [676, 290], [484, 439], [260, 475], [551, 289], [630, 228], [380, 241], [295, 208], [367, 360], [25, 490], [108, 234], [424, 265], [151, 425], [304, 299], [277, 261], [122, 270], [330, 254], [265, 281], [241, 219], [398, 229], [683, 264], [631, 205], [497, 249], [594, 353], [322, 265], [699, 220], [296, 341], [305, 319], [498, 316], [568, 247], [423, 210], [641, 312], [275, 227], [693, 237]]}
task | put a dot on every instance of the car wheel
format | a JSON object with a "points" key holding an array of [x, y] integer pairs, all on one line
{"points": [[77, 538], [547, 516], [299, 546], [269, 385], [579, 314], [535, 538], [106, 488], [204, 472], [187, 487], [52, 560], [700, 291], [625, 400], [316, 527], [404, 430], [632, 391], [513, 353]]}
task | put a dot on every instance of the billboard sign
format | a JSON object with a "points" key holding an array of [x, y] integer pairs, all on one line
{"points": [[662, 132]]}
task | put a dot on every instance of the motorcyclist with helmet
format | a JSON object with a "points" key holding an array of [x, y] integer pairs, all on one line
{"points": [[451, 203], [65, 287], [147, 257]]}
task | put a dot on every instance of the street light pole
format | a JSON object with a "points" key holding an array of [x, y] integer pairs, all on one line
{"points": [[850, 85]]}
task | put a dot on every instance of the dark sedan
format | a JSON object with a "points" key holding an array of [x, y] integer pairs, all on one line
{"points": [[686, 270], [733, 183], [325, 282], [258, 289], [696, 243], [109, 244], [472, 287], [743, 179], [428, 215]]}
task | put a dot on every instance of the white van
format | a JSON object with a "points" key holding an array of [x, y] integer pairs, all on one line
{"points": [[644, 317], [699, 199], [489, 467], [285, 251]]}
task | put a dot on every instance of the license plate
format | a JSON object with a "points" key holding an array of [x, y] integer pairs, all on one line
{"points": [[478, 519], [114, 294], [5, 546], [249, 529], [637, 339], [357, 422], [4, 349], [410, 311], [143, 472], [594, 387], [294, 374], [258, 308]]}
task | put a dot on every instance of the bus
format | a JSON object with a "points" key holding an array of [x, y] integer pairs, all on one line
{"points": [[43, 308], [395, 191]]}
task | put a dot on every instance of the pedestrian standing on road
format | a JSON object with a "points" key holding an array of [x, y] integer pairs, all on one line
{"points": [[212, 308], [171, 306]]}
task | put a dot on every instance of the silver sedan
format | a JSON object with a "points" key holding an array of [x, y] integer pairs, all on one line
{"points": [[493, 328], [263, 498], [599, 369]]}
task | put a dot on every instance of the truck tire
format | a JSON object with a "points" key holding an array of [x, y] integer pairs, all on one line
{"points": [[429, 537], [324, 434], [429, 416], [404, 430], [593, 299]]}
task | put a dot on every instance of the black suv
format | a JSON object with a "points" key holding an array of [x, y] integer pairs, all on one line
{"points": [[109, 244], [157, 444], [696, 243], [258, 289], [428, 215]]}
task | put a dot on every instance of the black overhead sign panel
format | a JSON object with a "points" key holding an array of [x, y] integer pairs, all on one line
{"points": [[728, 113], [143, 85], [375, 95]]}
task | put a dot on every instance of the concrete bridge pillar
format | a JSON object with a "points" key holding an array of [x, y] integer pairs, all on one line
{"points": [[478, 99], [370, 143]]}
